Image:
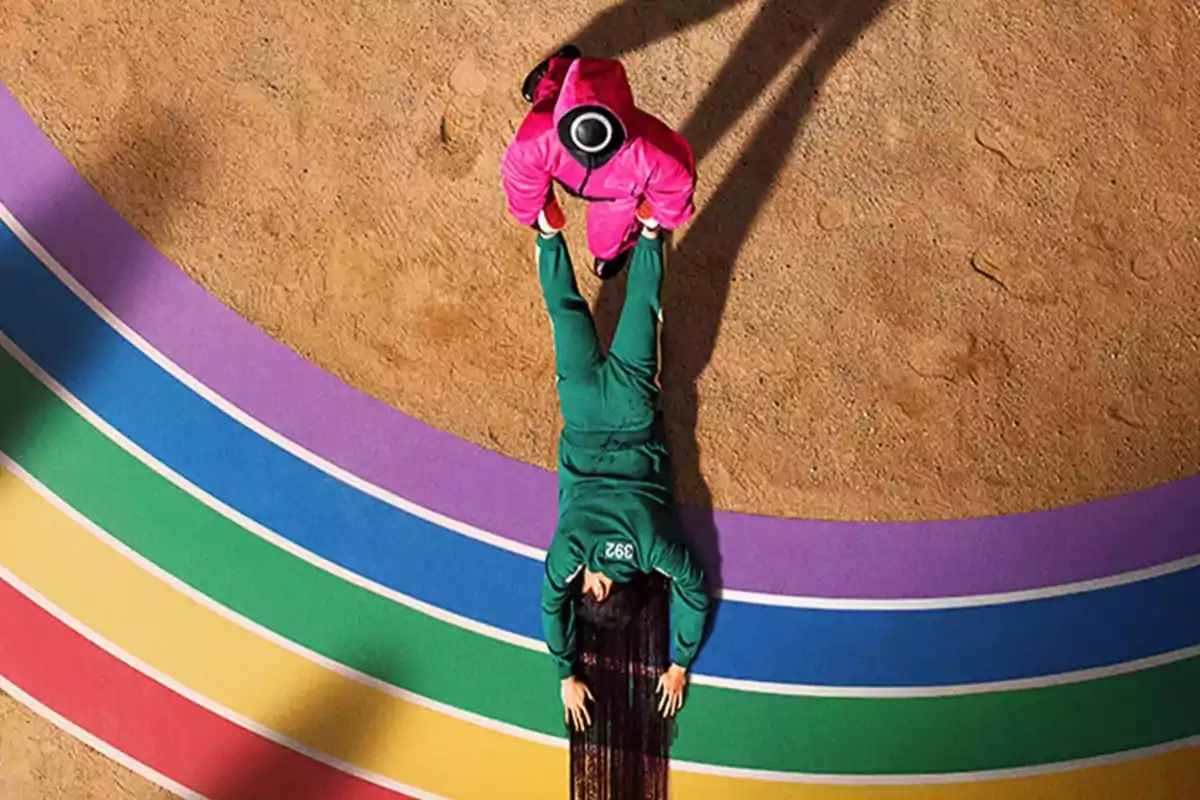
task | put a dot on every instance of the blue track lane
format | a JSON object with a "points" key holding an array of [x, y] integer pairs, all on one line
{"points": [[476, 580]]}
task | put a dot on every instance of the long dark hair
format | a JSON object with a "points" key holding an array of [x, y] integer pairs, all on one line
{"points": [[623, 754]]}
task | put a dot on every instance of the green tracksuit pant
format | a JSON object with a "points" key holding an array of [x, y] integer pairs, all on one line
{"points": [[617, 392], [617, 512]]}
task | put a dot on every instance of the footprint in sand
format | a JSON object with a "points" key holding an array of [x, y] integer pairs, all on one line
{"points": [[1148, 265], [1127, 413], [953, 357], [1021, 150], [1175, 209], [911, 396], [457, 146], [356, 268], [1011, 274], [834, 215]]}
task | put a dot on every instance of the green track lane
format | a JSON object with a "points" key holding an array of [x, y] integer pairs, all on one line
{"points": [[508, 683]]}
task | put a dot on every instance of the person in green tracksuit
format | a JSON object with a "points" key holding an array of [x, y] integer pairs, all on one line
{"points": [[617, 513]]}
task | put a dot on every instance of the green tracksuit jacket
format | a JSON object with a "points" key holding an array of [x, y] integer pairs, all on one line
{"points": [[616, 502]]}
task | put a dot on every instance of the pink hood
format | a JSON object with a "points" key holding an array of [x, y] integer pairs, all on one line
{"points": [[597, 82], [655, 163]]}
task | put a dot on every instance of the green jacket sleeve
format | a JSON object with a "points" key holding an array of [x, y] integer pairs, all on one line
{"points": [[558, 612], [689, 599]]}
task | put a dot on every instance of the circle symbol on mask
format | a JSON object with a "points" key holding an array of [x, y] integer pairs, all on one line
{"points": [[591, 132]]}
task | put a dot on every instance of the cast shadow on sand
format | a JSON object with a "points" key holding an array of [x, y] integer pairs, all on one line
{"points": [[701, 264], [155, 155]]}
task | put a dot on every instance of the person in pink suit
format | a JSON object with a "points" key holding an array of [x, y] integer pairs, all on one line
{"points": [[584, 133]]}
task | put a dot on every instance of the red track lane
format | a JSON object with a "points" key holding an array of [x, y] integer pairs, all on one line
{"points": [[151, 723]]}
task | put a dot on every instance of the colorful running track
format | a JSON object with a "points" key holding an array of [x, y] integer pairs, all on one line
{"points": [[245, 579]]}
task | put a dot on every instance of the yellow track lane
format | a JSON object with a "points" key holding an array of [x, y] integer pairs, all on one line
{"points": [[261, 681]]}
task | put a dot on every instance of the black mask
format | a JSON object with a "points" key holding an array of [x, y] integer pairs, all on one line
{"points": [[591, 134]]}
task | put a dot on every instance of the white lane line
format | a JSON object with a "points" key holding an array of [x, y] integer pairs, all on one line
{"points": [[504, 543], [499, 634], [104, 748], [231, 716]]}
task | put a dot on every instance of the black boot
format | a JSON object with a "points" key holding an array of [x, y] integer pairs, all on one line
{"points": [[608, 268], [530, 84]]}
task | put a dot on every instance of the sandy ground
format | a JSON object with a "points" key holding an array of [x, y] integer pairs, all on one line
{"points": [[40, 762], [950, 269], [947, 262]]}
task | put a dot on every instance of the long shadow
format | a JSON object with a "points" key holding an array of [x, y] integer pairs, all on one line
{"points": [[340, 712], [159, 157], [701, 265]]}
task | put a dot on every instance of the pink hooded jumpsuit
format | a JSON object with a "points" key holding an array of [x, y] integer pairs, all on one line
{"points": [[654, 164]]}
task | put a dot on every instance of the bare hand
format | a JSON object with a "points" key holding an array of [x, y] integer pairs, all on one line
{"points": [[671, 686], [575, 695]]}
